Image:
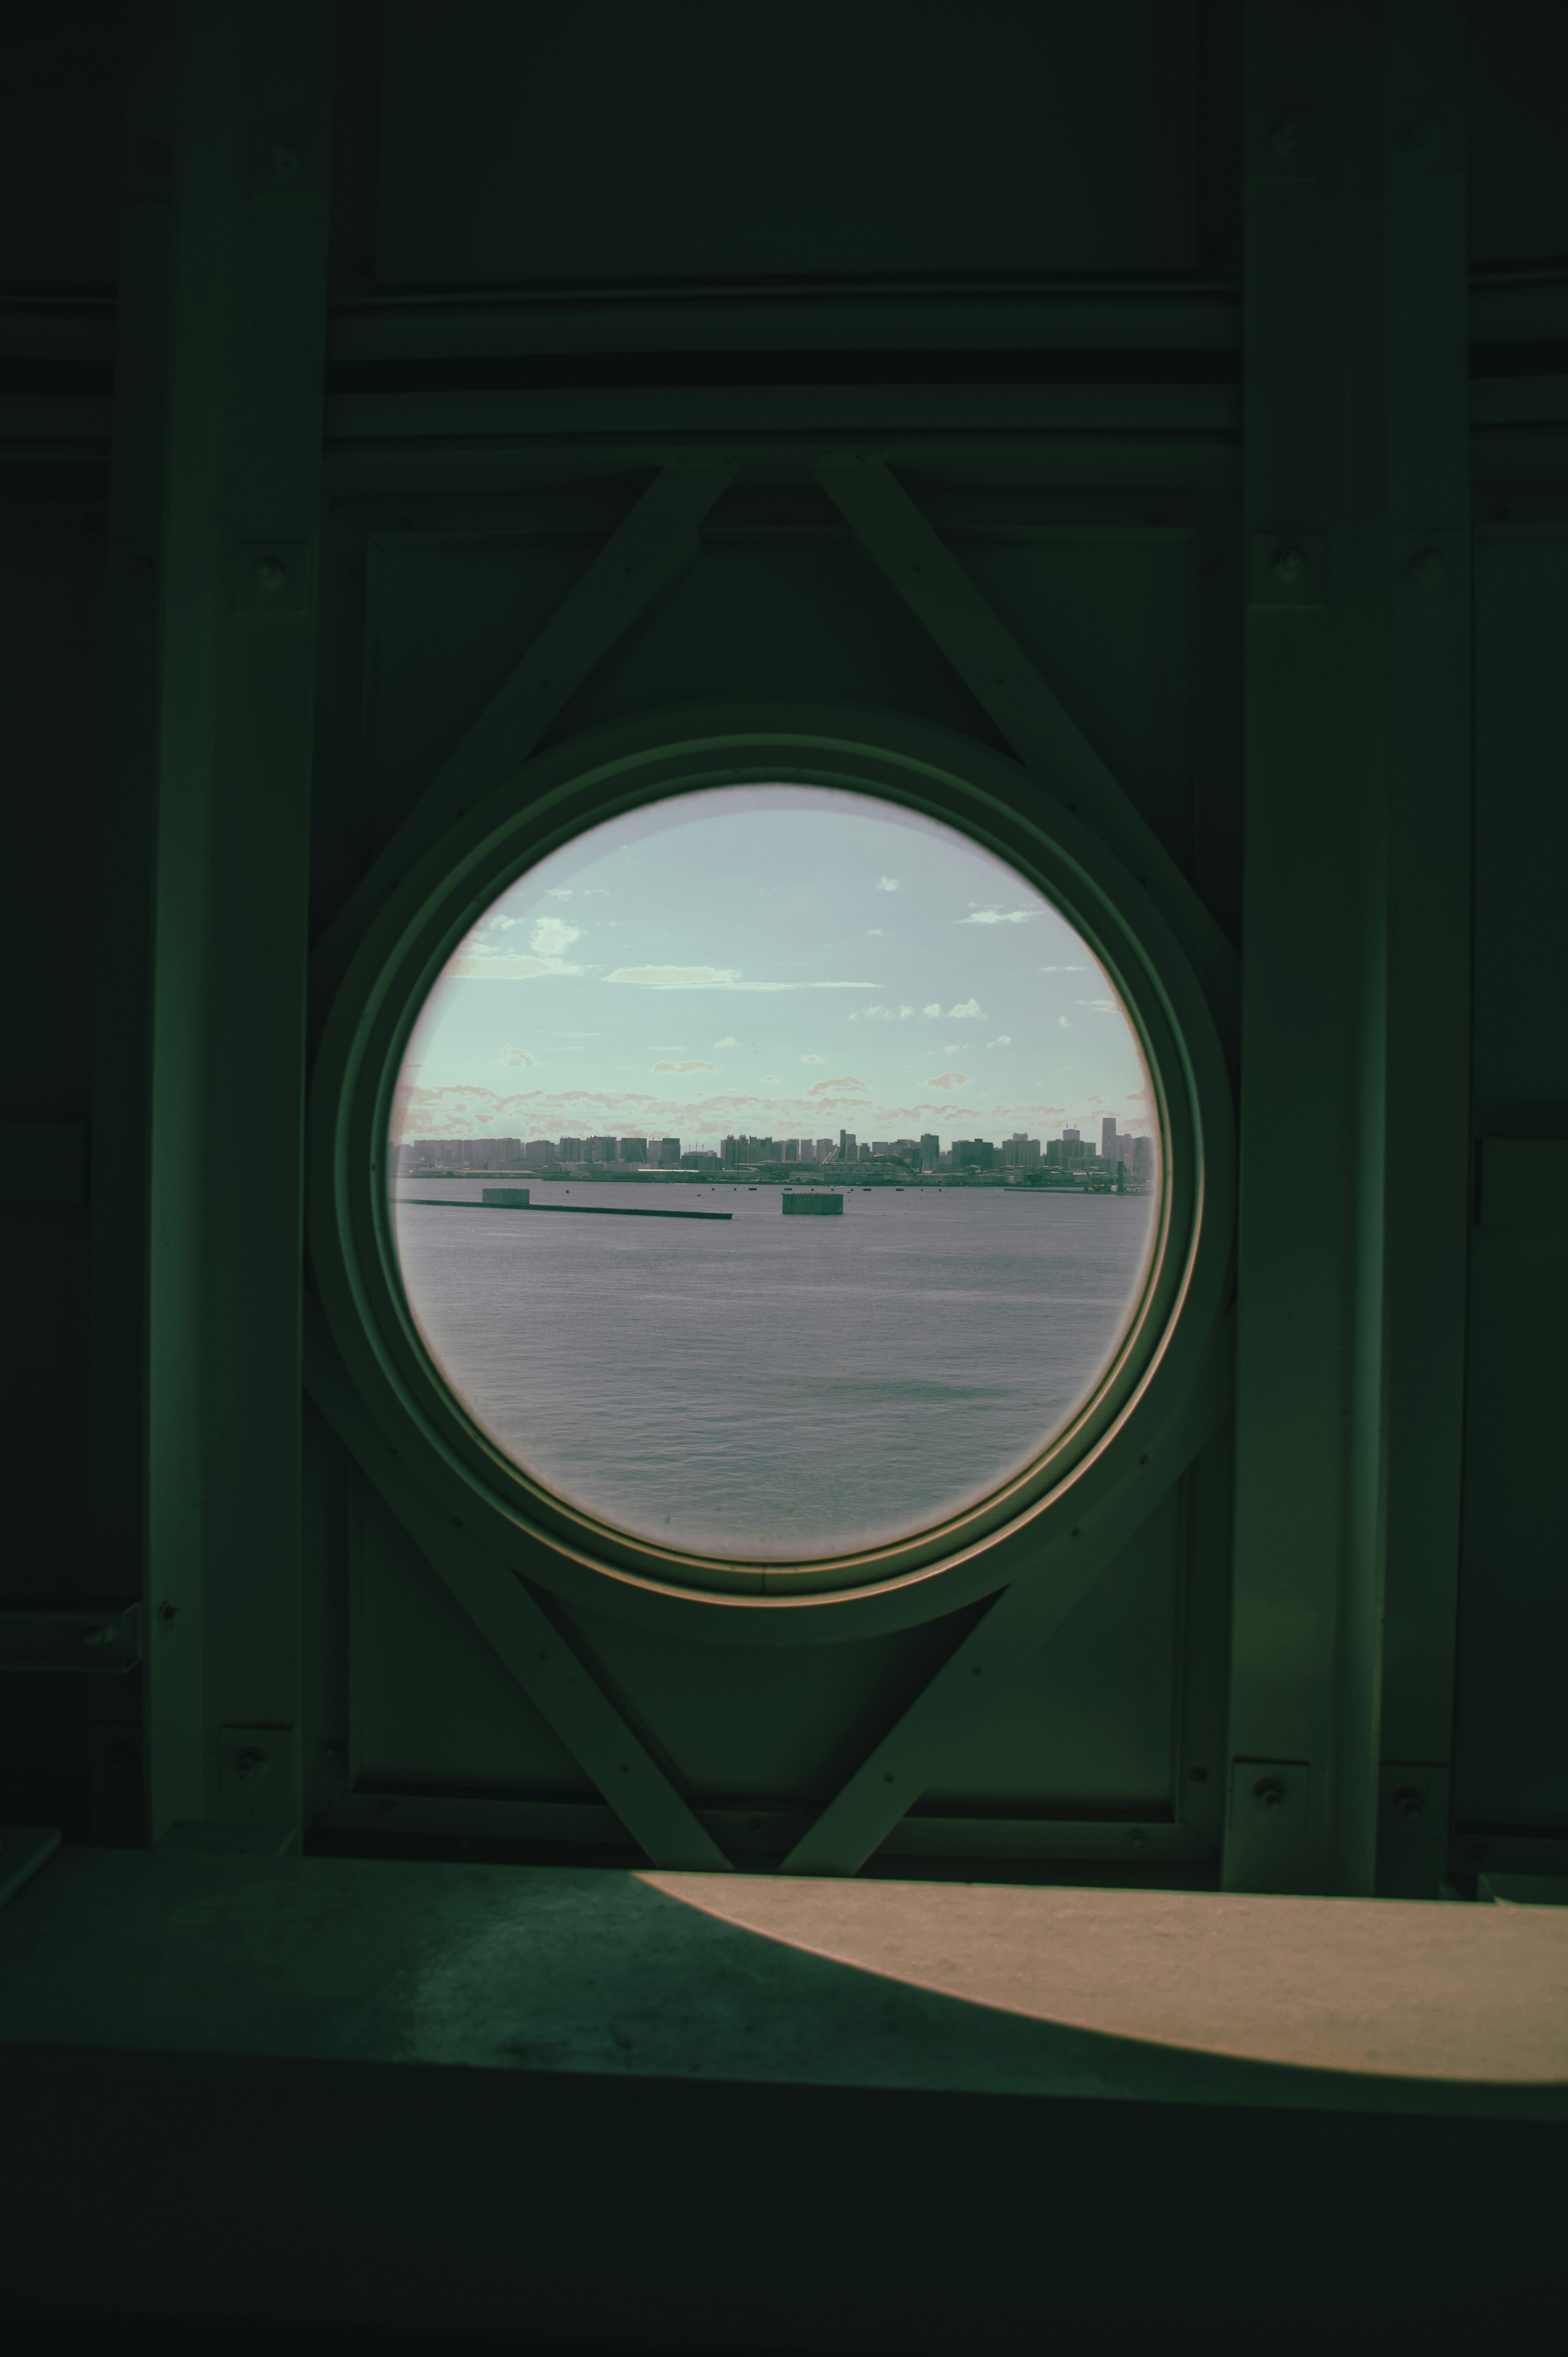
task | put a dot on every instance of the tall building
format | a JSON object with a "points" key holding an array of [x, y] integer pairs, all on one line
{"points": [[572, 1149], [848, 1150], [930, 1150], [1108, 1137], [633, 1149], [1021, 1153], [602, 1149], [824, 1149]]}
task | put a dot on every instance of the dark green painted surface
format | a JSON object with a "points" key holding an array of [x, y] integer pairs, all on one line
{"points": [[1051, 182]]}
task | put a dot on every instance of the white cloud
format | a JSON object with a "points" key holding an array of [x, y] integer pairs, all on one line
{"points": [[552, 935], [515, 1056], [1064, 969], [559, 892], [843, 1081], [722, 1043], [769, 1076], [947, 1080], [1004, 1039], [813, 1059], [889, 884], [1100, 1005], [972, 1008], [1062, 1023], [714, 977], [873, 932], [904, 1012], [472, 965], [998, 917], [934, 1008], [692, 1064]]}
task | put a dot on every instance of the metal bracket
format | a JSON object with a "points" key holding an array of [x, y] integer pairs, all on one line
{"points": [[1431, 569], [1289, 568], [107, 1640], [1284, 142], [1267, 1825], [255, 1771], [271, 576]]}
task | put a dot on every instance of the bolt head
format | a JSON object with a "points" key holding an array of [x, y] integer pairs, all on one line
{"points": [[1426, 565], [1289, 563], [1408, 1803], [1269, 1792], [269, 575], [250, 1766]]}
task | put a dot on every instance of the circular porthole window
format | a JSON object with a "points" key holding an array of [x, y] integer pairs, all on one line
{"points": [[763, 1164]]}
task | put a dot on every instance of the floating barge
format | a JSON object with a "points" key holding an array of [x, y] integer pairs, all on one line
{"points": [[811, 1205], [515, 1198]]}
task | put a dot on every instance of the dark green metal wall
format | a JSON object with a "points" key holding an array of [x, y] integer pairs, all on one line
{"points": [[415, 301]]}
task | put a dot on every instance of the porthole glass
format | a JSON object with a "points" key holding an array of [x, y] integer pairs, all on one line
{"points": [[773, 1173]]}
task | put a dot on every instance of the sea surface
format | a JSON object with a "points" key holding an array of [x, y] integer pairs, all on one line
{"points": [[772, 1388]]}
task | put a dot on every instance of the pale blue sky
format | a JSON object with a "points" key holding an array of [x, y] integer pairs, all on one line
{"points": [[779, 961]]}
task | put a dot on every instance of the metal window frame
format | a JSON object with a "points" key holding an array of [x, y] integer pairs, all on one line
{"points": [[1049, 1529]]}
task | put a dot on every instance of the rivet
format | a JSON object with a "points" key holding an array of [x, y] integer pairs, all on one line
{"points": [[1198, 1775], [1289, 563], [249, 1765], [166, 1613], [887, 1779], [1426, 564], [269, 573], [1137, 1836], [1269, 1793], [1408, 1804]]}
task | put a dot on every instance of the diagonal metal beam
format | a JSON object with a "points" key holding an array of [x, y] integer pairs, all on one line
{"points": [[526, 1640], [649, 548], [922, 570], [1003, 1646]]}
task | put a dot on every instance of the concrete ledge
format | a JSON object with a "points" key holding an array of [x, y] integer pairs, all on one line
{"points": [[1149, 1997]]}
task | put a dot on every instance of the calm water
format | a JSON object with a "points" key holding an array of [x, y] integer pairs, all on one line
{"points": [[773, 1388]]}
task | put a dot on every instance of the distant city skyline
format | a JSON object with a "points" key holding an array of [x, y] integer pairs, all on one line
{"points": [[772, 961]]}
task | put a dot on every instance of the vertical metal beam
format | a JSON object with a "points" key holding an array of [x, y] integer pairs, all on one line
{"points": [[1301, 1788], [1355, 1097], [1426, 427], [122, 908], [242, 490]]}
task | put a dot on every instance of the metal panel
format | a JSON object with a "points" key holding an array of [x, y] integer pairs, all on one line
{"points": [[519, 1629], [1005, 1642]]}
